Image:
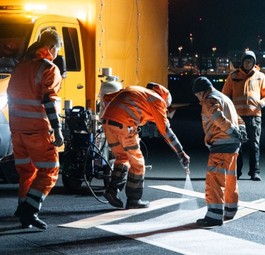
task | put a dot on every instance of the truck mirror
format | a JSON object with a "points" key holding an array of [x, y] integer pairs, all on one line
{"points": [[60, 62]]}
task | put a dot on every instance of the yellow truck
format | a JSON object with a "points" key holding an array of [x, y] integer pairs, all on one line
{"points": [[19, 29], [129, 49]]}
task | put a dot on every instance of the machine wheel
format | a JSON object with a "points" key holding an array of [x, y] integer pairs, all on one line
{"points": [[71, 184], [72, 171]]}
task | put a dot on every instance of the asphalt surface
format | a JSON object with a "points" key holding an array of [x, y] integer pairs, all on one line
{"points": [[167, 229]]}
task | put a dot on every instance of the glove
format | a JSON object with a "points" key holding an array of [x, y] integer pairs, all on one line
{"points": [[184, 160], [243, 134], [58, 137]]}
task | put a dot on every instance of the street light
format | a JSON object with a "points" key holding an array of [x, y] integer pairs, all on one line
{"points": [[214, 50], [180, 48], [191, 42]]}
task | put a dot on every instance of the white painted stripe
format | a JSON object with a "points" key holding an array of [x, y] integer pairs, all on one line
{"points": [[122, 214], [178, 232], [259, 207]]}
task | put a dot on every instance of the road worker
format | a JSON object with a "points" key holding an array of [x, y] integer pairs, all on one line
{"points": [[35, 127], [224, 131], [126, 110], [246, 87]]}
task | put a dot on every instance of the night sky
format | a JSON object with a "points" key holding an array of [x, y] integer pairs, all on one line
{"points": [[228, 25]]}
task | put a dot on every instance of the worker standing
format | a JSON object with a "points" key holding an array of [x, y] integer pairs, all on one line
{"points": [[246, 87], [126, 110], [224, 131], [34, 124]]}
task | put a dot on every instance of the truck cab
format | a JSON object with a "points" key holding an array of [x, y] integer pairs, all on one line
{"points": [[18, 30]]}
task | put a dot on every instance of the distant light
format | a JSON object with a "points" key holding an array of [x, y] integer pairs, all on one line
{"points": [[35, 7], [263, 56]]}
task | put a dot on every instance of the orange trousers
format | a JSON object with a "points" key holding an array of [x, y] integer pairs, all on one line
{"points": [[37, 162], [221, 185], [125, 145]]}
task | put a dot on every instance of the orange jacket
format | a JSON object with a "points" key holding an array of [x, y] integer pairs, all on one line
{"points": [[247, 91], [219, 120], [136, 105], [32, 94]]}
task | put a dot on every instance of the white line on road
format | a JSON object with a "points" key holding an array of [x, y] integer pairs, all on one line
{"points": [[176, 231], [122, 214], [251, 205]]}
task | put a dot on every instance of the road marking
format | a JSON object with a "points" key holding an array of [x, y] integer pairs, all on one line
{"points": [[251, 205], [122, 214], [178, 232]]}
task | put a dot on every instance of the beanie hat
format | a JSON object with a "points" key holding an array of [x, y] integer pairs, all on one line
{"points": [[248, 54], [201, 84], [162, 91]]}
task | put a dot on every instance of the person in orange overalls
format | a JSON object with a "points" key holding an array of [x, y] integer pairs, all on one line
{"points": [[126, 110], [34, 124], [246, 88], [224, 131]]}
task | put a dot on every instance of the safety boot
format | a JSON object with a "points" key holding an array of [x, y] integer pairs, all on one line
{"points": [[208, 222], [112, 196], [137, 204], [28, 216]]}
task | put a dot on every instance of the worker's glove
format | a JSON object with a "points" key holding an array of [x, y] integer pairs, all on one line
{"points": [[58, 137], [243, 134], [184, 160]]}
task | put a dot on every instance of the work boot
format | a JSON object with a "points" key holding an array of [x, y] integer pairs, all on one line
{"points": [[207, 222], [28, 216], [23, 225], [113, 198], [137, 204], [255, 177]]}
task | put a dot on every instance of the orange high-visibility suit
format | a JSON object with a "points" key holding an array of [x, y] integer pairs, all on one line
{"points": [[247, 91], [125, 111], [32, 94], [219, 120]]}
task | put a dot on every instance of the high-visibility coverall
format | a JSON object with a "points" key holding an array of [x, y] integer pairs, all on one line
{"points": [[32, 94], [125, 111], [219, 120], [247, 91]]}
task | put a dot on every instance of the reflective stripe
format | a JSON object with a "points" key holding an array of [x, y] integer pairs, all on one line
{"points": [[216, 115], [214, 169], [215, 216], [216, 206], [252, 107], [26, 114], [45, 63], [111, 145], [53, 116], [22, 161], [34, 203], [151, 99], [46, 164], [50, 104], [231, 172], [20, 101], [231, 205], [134, 147], [37, 193]]}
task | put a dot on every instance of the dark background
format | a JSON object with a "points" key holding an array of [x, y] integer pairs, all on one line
{"points": [[228, 25]]}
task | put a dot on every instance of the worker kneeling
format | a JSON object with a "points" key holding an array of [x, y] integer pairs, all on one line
{"points": [[125, 111]]}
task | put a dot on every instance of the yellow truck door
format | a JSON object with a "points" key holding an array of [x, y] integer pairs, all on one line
{"points": [[73, 86]]}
